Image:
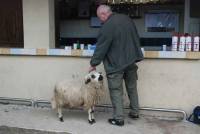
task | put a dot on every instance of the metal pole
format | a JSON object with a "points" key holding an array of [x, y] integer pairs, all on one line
{"points": [[37, 102], [15, 100], [142, 108], [155, 109]]}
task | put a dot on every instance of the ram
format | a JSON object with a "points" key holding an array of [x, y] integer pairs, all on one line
{"points": [[71, 94]]}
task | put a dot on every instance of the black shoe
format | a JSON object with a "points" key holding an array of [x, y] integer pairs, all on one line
{"points": [[133, 116], [116, 122]]}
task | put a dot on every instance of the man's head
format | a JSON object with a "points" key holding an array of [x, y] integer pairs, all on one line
{"points": [[104, 12]]}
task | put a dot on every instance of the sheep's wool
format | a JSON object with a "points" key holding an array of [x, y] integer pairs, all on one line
{"points": [[70, 94]]}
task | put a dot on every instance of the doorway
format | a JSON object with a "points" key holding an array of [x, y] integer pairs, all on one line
{"points": [[11, 24]]}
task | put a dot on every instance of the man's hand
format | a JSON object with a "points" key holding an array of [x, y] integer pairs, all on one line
{"points": [[92, 68]]}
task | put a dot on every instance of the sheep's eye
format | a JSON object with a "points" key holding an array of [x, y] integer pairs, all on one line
{"points": [[93, 76]]}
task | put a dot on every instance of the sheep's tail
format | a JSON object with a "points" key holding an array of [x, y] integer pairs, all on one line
{"points": [[53, 100]]}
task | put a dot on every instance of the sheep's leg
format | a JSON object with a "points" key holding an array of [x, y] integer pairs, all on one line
{"points": [[90, 120], [60, 116], [93, 119]]}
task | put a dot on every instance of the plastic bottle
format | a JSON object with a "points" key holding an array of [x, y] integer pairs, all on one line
{"points": [[78, 44]]}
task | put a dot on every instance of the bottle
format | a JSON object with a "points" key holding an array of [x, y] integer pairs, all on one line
{"points": [[78, 44]]}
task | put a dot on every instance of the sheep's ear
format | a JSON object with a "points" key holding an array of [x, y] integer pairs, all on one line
{"points": [[87, 81]]}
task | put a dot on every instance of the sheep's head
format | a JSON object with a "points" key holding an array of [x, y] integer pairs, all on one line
{"points": [[93, 77]]}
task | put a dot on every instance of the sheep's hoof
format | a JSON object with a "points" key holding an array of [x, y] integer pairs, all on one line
{"points": [[61, 119], [92, 121]]}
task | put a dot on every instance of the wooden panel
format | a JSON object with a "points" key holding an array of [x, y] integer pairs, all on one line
{"points": [[11, 23]]}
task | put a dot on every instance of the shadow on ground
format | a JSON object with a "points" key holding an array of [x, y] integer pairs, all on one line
{"points": [[14, 130]]}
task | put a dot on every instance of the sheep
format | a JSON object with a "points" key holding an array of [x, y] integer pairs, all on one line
{"points": [[69, 95]]}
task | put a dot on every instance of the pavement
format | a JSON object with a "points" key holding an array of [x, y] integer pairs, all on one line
{"points": [[19, 119]]}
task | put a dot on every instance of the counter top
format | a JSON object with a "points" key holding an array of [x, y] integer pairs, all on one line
{"points": [[89, 53]]}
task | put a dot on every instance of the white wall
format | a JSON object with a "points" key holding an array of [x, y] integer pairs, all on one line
{"points": [[163, 83], [38, 19]]}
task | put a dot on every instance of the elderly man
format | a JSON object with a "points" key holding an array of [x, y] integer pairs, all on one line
{"points": [[118, 46]]}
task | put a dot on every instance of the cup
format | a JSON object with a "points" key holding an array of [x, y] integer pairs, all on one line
{"points": [[68, 47], [142, 49], [75, 45], [82, 46], [164, 47], [89, 46]]}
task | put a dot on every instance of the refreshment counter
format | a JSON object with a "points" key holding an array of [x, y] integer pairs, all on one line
{"points": [[167, 79]]}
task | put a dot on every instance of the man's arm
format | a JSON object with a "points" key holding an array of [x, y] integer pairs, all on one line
{"points": [[103, 44]]}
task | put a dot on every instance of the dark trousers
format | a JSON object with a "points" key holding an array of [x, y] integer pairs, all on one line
{"points": [[115, 85]]}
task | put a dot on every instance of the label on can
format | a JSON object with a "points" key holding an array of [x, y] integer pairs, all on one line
{"points": [[188, 43], [196, 44], [174, 43], [182, 44]]}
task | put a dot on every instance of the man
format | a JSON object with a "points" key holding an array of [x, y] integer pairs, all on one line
{"points": [[118, 46]]}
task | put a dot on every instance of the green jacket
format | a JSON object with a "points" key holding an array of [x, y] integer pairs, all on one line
{"points": [[118, 44]]}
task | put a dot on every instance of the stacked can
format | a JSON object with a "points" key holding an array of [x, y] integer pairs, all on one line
{"points": [[182, 43], [188, 43], [196, 43], [175, 42]]}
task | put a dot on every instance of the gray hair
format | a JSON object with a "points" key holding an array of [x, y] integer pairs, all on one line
{"points": [[104, 8]]}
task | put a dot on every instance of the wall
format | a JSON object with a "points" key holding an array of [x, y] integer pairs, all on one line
{"points": [[38, 19], [163, 83], [81, 28]]}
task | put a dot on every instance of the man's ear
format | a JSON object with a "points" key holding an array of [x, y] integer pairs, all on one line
{"points": [[87, 81]]}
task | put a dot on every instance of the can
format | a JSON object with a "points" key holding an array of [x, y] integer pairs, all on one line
{"points": [[182, 43], [188, 43], [175, 42], [196, 43]]}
